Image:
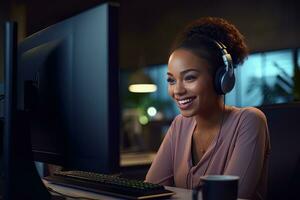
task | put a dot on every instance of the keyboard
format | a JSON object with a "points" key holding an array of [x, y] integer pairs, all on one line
{"points": [[109, 185]]}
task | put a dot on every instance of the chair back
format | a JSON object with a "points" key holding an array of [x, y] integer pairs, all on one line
{"points": [[284, 163]]}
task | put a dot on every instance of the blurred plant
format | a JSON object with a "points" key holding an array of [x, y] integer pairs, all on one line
{"points": [[281, 90]]}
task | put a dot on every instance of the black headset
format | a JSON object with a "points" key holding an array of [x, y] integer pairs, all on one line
{"points": [[224, 78]]}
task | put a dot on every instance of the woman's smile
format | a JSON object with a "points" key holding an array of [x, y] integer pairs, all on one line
{"points": [[185, 103]]}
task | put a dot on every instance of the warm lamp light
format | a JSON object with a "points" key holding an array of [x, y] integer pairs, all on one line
{"points": [[142, 88], [139, 82]]}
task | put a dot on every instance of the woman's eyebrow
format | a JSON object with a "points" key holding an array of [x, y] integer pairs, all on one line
{"points": [[184, 72]]}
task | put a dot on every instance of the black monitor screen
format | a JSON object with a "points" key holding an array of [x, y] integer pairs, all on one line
{"points": [[68, 83]]}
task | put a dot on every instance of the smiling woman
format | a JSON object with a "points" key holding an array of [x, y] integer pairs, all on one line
{"points": [[188, 76], [209, 137]]}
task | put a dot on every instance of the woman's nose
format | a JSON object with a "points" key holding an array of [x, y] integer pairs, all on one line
{"points": [[179, 88]]}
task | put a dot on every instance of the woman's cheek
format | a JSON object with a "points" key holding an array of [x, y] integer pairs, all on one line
{"points": [[170, 91]]}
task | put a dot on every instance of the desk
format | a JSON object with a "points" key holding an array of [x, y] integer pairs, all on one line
{"points": [[180, 193]]}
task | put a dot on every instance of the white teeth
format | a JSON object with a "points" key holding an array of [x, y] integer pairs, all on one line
{"points": [[185, 101]]}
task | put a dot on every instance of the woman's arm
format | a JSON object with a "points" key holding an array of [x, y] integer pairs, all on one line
{"points": [[248, 158], [161, 170]]}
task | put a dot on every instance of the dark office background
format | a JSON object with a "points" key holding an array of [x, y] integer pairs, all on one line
{"points": [[147, 27]]}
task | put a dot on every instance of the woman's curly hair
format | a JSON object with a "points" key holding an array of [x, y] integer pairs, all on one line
{"points": [[196, 35]]}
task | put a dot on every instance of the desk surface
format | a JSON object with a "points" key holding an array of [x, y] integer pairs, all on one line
{"points": [[180, 193]]}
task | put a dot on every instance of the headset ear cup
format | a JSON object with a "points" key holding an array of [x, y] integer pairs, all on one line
{"points": [[224, 81], [227, 82], [218, 80]]}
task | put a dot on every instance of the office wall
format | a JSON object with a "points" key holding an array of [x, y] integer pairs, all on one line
{"points": [[148, 27], [150, 30]]}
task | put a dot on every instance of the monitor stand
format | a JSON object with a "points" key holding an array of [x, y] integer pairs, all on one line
{"points": [[22, 179]]}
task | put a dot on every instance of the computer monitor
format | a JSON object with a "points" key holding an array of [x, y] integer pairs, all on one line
{"points": [[17, 157], [61, 100], [67, 83]]}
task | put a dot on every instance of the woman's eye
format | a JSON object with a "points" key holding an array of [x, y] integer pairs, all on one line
{"points": [[190, 78], [170, 81]]}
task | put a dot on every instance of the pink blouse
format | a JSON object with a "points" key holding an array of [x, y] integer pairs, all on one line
{"points": [[242, 150]]}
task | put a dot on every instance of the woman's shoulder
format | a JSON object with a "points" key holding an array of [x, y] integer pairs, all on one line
{"points": [[251, 124], [249, 118], [250, 113]]}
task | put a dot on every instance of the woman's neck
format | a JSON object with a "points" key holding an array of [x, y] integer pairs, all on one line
{"points": [[210, 117]]}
